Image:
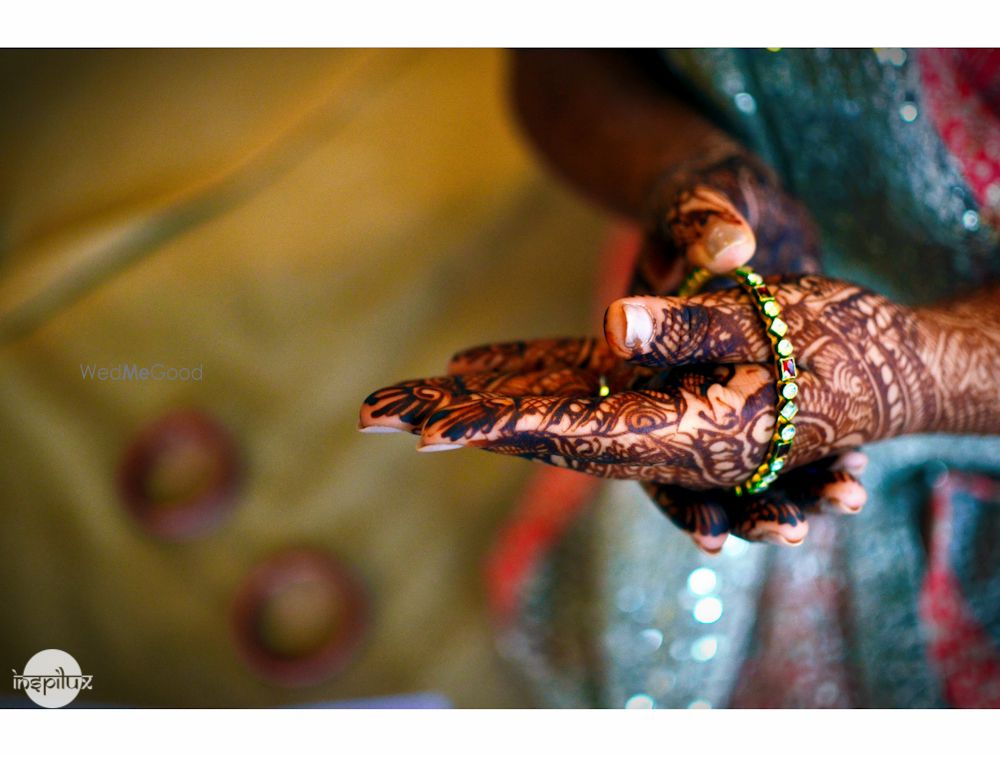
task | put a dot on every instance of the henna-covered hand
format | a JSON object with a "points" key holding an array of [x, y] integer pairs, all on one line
{"points": [[864, 371], [869, 369], [701, 414], [718, 212], [716, 209], [573, 368], [778, 515]]}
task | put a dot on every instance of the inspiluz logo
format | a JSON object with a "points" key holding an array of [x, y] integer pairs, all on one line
{"points": [[52, 678]]}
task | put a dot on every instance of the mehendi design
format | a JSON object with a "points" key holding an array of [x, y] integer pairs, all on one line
{"points": [[692, 431], [540, 354], [767, 518], [694, 422], [697, 415], [408, 404], [961, 344], [690, 195], [780, 515]]}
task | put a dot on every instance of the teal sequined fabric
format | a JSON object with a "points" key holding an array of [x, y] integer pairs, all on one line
{"points": [[624, 612], [850, 135]]}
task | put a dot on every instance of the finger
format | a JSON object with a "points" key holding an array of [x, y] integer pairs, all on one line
{"points": [[404, 406], [720, 327], [826, 489], [671, 428], [706, 522], [844, 494], [615, 429], [407, 405], [586, 353], [711, 231], [854, 462], [769, 518]]}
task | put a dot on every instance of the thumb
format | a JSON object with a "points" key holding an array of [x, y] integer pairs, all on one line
{"points": [[710, 230]]}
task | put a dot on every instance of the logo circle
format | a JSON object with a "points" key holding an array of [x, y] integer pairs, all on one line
{"points": [[52, 665]]}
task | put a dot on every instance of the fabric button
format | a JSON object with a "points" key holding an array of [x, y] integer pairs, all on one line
{"points": [[300, 617], [179, 477]]}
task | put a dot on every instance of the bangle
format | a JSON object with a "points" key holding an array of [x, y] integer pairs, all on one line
{"points": [[785, 373]]}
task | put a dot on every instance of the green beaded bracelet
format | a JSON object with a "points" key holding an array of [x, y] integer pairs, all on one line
{"points": [[785, 372]]}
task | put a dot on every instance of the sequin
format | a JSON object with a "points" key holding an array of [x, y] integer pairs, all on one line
{"points": [[630, 598], [894, 56], [745, 102], [735, 547], [908, 112], [652, 639], [708, 610], [702, 581], [640, 702], [970, 220], [679, 650], [704, 649]]}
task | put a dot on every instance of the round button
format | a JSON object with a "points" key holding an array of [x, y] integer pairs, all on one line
{"points": [[179, 476], [300, 617]]}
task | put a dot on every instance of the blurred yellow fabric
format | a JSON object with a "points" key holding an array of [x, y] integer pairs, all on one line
{"points": [[307, 226]]}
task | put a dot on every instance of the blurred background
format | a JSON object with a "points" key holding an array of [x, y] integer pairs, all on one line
{"points": [[273, 234]]}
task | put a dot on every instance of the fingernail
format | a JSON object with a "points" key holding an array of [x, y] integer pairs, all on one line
{"points": [[725, 238], [638, 325], [379, 430], [774, 533], [776, 537], [705, 550], [834, 505], [854, 463], [846, 497], [709, 545], [437, 447]]}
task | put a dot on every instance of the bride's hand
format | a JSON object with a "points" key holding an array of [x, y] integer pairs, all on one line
{"points": [[704, 423], [720, 212]]}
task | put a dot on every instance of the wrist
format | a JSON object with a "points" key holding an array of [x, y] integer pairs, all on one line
{"points": [[960, 347]]}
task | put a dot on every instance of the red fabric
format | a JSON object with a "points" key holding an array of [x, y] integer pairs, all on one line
{"points": [[960, 648], [546, 508], [962, 90]]}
